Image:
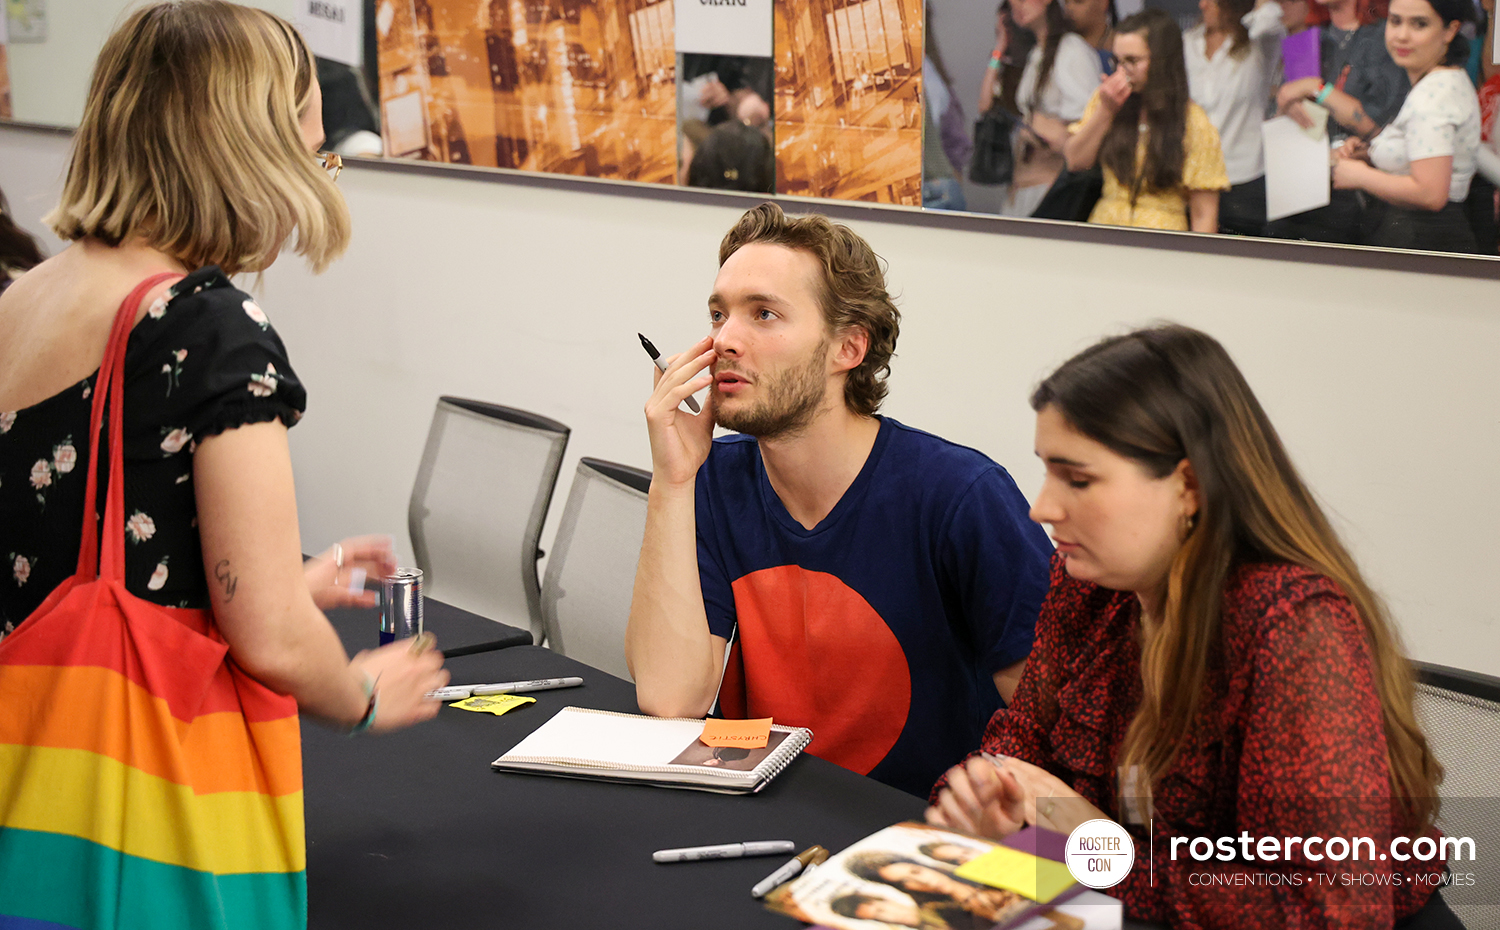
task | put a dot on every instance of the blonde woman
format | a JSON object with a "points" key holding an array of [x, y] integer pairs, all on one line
{"points": [[1209, 663], [195, 157]]}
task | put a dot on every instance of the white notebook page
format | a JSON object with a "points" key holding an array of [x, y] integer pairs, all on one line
{"points": [[603, 738]]}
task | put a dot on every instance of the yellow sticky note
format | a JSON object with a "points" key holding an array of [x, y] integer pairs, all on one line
{"points": [[746, 734], [496, 704], [1030, 876]]}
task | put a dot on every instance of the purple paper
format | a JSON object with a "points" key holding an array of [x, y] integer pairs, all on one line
{"points": [[1040, 842], [1300, 54]]}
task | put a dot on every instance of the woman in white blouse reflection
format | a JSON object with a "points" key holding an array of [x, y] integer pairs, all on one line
{"points": [[1232, 58], [1421, 164], [1062, 71]]}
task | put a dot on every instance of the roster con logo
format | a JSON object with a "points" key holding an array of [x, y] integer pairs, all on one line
{"points": [[1099, 853]]}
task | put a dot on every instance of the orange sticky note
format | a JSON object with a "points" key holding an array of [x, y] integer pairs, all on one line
{"points": [[746, 734]]}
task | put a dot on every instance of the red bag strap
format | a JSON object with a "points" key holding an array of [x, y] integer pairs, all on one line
{"points": [[109, 389]]}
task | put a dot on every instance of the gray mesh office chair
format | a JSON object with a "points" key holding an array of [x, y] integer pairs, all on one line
{"points": [[478, 504], [586, 594], [1460, 713]]}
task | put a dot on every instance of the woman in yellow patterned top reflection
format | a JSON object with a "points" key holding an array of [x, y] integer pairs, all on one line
{"points": [[1163, 167]]}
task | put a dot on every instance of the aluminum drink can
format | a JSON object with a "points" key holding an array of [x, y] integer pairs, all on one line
{"points": [[401, 605]]}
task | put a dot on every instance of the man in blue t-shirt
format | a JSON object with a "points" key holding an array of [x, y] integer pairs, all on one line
{"points": [[879, 585]]}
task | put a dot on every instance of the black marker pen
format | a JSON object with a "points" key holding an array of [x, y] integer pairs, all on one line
{"points": [[656, 357]]}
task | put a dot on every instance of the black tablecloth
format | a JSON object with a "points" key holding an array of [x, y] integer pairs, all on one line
{"points": [[458, 631], [414, 830]]}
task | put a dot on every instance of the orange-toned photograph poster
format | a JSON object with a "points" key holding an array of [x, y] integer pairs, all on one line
{"points": [[568, 86], [5, 110], [849, 99]]}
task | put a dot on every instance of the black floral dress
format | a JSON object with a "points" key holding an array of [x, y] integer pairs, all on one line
{"points": [[203, 360]]}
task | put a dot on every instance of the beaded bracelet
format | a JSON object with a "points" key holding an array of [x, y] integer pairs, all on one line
{"points": [[368, 720]]}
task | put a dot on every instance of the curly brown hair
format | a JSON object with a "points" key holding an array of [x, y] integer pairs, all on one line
{"points": [[853, 290]]}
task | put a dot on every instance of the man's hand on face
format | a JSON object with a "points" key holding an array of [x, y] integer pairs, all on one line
{"points": [[680, 441]]}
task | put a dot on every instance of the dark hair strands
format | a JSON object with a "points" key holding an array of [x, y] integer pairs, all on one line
{"points": [[1168, 393], [1461, 12], [1231, 16], [19, 250], [1057, 27]]}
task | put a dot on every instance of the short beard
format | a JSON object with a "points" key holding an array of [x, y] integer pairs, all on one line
{"points": [[792, 400]]}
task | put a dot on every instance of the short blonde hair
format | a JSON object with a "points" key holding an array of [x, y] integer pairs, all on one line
{"points": [[191, 141]]}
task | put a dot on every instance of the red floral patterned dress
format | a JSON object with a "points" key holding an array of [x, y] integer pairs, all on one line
{"points": [[1288, 742]]}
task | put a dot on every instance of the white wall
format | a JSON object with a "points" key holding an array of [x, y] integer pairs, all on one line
{"points": [[1383, 382], [50, 79]]}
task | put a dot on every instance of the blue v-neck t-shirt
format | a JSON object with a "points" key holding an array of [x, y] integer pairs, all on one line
{"points": [[881, 628]]}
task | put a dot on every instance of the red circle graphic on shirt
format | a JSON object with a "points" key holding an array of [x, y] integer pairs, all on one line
{"points": [[811, 652]]}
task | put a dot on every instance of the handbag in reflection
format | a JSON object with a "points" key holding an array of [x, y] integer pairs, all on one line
{"points": [[993, 161], [1072, 196], [145, 779]]}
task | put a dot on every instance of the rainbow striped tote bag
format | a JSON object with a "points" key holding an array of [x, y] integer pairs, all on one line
{"points": [[145, 780]]}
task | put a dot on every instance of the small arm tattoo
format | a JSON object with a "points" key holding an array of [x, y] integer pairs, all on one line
{"points": [[226, 578]]}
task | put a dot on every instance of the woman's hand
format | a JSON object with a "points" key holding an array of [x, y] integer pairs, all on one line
{"points": [[1349, 173], [713, 94], [1114, 91], [402, 673], [1048, 801], [1355, 148], [328, 574], [1289, 99], [981, 800]]}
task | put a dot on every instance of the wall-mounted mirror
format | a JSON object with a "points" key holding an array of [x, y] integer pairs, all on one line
{"points": [[1293, 119]]}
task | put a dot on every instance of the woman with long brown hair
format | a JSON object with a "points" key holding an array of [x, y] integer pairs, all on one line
{"points": [[1421, 164], [1209, 663], [1163, 167]]}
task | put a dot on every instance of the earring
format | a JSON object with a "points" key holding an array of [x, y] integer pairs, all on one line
{"points": [[1189, 523]]}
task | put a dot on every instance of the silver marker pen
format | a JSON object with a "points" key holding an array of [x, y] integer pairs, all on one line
{"points": [[459, 692], [724, 851], [537, 684]]}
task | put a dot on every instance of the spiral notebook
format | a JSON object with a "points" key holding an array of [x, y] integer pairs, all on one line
{"points": [[580, 742]]}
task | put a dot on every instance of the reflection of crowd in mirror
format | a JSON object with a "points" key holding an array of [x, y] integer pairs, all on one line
{"points": [[1163, 167], [1062, 70], [725, 114], [946, 145], [1410, 106], [1232, 57]]}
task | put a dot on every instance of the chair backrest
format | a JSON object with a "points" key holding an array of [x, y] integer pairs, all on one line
{"points": [[1460, 713], [478, 505], [591, 572]]}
